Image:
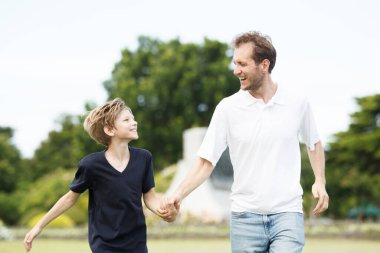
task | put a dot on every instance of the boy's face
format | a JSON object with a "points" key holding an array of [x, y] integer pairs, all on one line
{"points": [[126, 126]]}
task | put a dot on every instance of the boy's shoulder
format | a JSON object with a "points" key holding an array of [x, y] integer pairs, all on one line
{"points": [[93, 157], [140, 151]]}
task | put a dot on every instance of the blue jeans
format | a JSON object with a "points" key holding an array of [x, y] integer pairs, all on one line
{"points": [[273, 233]]}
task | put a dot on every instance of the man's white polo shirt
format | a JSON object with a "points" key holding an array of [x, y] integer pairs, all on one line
{"points": [[263, 141]]}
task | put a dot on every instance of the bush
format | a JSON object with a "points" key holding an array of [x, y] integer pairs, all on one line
{"points": [[9, 207], [62, 221], [164, 178], [46, 191]]}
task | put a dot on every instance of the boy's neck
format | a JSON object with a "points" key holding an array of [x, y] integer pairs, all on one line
{"points": [[118, 150], [118, 156]]}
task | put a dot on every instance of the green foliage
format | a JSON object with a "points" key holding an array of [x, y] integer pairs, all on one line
{"points": [[10, 161], [353, 160], [164, 178], [64, 147], [307, 180], [45, 192], [12, 177], [9, 207], [62, 221], [79, 212], [171, 87]]}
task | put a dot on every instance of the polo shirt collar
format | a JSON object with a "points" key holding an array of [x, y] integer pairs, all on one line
{"points": [[278, 98]]}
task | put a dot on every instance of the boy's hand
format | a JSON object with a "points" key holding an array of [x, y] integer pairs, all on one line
{"points": [[168, 210], [28, 240]]}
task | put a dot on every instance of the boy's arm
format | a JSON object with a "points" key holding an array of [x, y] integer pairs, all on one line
{"points": [[64, 203], [317, 161], [153, 201]]}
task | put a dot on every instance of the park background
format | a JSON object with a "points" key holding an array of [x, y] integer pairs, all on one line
{"points": [[171, 62]]}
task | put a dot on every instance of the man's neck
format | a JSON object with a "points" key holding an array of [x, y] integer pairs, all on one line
{"points": [[266, 91]]}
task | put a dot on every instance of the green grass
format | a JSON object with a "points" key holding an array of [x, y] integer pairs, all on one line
{"points": [[191, 246]]}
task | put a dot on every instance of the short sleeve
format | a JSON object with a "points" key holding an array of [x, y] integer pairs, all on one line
{"points": [[149, 175], [81, 181], [215, 140], [308, 129]]}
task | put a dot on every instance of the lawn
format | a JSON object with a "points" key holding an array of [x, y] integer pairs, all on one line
{"points": [[192, 246]]}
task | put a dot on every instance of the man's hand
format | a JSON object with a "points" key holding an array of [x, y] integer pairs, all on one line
{"points": [[168, 209], [319, 192]]}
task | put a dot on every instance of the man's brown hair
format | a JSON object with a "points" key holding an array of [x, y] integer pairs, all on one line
{"points": [[262, 47]]}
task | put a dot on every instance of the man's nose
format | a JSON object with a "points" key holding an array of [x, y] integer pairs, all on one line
{"points": [[237, 71]]}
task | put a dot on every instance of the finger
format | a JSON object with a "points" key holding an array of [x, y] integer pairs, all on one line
{"points": [[177, 205], [325, 203], [170, 219], [26, 241], [169, 206], [27, 244], [162, 211], [318, 206], [322, 204], [163, 202]]}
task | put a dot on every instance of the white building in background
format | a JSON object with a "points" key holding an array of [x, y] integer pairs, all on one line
{"points": [[210, 201]]}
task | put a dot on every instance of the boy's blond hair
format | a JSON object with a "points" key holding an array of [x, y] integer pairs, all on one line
{"points": [[101, 117]]}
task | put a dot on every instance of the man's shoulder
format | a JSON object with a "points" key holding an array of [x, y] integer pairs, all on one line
{"points": [[232, 99], [289, 96]]}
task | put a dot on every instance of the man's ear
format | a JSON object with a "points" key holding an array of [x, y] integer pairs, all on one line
{"points": [[265, 65], [108, 130]]}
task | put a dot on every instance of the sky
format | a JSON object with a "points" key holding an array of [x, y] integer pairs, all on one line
{"points": [[55, 55]]}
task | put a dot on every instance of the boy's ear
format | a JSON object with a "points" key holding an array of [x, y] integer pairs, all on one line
{"points": [[108, 131]]}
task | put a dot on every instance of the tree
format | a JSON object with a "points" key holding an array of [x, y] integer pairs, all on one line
{"points": [[307, 180], [45, 193], [10, 160], [12, 174], [353, 160], [171, 87], [64, 147]]}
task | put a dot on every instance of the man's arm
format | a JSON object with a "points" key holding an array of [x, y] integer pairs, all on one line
{"points": [[317, 161], [201, 170], [64, 203]]}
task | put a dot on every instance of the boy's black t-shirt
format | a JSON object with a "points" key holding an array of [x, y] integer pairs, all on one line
{"points": [[116, 221]]}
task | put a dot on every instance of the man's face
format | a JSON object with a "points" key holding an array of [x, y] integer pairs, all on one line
{"points": [[246, 69]]}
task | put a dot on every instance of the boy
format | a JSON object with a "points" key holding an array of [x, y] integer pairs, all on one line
{"points": [[116, 178]]}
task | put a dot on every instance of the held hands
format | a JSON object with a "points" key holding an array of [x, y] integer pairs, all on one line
{"points": [[169, 209], [319, 192]]}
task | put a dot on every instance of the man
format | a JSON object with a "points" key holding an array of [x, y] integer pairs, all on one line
{"points": [[261, 124]]}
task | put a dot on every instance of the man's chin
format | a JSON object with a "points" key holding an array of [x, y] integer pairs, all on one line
{"points": [[244, 87]]}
